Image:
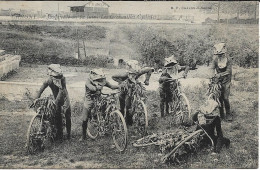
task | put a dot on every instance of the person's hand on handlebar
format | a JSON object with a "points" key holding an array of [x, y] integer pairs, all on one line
{"points": [[112, 93], [184, 75], [217, 76], [33, 103], [146, 83]]}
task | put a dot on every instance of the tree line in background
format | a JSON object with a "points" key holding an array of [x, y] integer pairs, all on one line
{"points": [[239, 8]]}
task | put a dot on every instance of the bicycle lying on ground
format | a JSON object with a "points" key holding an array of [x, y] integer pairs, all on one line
{"points": [[138, 109], [179, 106], [173, 145], [42, 129], [106, 118]]}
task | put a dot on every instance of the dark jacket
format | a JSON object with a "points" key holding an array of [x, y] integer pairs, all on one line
{"points": [[226, 72]]}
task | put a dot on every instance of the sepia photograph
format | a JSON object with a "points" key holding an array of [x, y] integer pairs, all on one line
{"points": [[129, 84]]}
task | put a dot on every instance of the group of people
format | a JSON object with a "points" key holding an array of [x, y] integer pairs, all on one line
{"points": [[221, 65]]}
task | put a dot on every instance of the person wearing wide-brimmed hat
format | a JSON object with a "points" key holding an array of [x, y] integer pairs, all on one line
{"points": [[57, 83], [222, 65], [93, 86], [170, 71], [126, 80]]}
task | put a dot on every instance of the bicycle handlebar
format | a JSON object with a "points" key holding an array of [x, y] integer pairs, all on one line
{"points": [[172, 80], [108, 94]]}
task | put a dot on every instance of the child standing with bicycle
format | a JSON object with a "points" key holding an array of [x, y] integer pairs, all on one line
{"points": [[93, 86], [57, 83], [170, 72], [127, 82]]}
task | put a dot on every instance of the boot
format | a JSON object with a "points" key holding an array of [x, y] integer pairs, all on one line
{"points": [[68, 136], [229, 117], [84, 128], [226, 142], [68, 127], [220, 142], [162, 109]]}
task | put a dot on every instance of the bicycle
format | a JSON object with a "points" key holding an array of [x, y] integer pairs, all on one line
{"points": [[106, 118], [214, 89], [179, 106], [173, 145], [139, 109], [42, 128]]}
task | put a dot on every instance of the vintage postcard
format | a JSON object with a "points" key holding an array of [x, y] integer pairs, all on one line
{"points": [[129, 84]]}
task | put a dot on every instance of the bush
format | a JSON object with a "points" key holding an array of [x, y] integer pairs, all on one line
{"points": [[37, 50], [194, 43], [153, 47]]}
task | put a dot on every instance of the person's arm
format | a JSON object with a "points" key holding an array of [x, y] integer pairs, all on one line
{"points": [[148, 71], [111, 86], [43, 87], [185, 68], [63, 82], [212, 67], [164, 77], [120, 77], [90, 86]]}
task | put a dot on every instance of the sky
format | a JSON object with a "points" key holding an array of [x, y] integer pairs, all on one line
{"points": [[126, 7]]}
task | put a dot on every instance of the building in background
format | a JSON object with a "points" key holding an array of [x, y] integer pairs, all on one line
{"points": [[6, 12], [91, 9]]}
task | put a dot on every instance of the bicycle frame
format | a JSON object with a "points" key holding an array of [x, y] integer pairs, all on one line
{"points": [[138, 93], [176, 91], [214, 90], [46, 109], [107, 100], [45, 112]]}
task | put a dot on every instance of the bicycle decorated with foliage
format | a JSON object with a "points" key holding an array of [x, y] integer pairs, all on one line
{"points": [[139, 109], [42, 130], [174, 145], [214, 89], [106, 118], [179, 106]]}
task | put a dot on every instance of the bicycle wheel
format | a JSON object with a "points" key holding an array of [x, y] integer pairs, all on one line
{"points": [[184, 108], [93, 126], [140, 117], [180, 108], [119, 130], [34, 140]]}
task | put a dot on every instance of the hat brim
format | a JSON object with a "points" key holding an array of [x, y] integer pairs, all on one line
{"points": [[170, 64]]}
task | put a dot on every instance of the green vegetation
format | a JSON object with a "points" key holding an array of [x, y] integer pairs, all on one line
{"points": [[195, 43], [46, 45]]}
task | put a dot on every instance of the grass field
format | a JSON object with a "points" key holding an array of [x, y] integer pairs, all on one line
{"points": [[100, 153]]}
